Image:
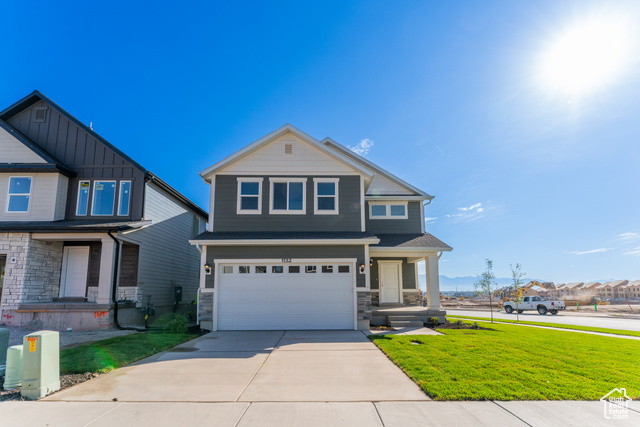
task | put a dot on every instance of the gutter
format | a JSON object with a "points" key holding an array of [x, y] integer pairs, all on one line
{"points": [[114, 289]]}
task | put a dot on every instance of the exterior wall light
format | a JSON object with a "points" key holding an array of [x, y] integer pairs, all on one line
{"points": [[207, 268]]}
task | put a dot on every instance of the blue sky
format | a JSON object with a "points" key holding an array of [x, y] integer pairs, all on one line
{"points": [[453, 96]]}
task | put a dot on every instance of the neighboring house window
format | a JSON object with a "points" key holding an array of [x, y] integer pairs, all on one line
{"points": [[83, 198], [388, 210], [288, 196], [19, 194], [326, 199], [124, 198], [104, 195], [249, 196]]}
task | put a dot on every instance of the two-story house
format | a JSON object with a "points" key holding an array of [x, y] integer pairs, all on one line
{"points": [[82, 225], [306, 234]]}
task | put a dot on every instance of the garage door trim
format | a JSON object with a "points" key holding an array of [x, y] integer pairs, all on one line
{"points": [[284, 262]]}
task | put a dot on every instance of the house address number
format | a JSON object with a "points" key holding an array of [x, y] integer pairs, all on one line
{"points": [[286, 260]]}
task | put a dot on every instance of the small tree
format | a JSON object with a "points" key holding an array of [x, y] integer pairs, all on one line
{"points": [[517, 276], [486, 283]]}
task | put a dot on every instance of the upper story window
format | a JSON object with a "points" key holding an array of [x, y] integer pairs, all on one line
{"points": [[124, 198], [19, 194], [83, 198], [249, 196], [288, 196], [104, 196], [326, 197], [388, 210]]}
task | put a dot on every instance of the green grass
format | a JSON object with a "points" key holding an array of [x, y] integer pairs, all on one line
{"points": [[515, 363], [556, 325], [112, 353]]}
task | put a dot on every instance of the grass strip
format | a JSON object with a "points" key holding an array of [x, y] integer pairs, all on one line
{"points": [[514, 363], [106, 355], [555, 325]]}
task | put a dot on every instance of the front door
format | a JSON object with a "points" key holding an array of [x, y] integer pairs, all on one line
{"points": [[75, 263], [390, 281]]}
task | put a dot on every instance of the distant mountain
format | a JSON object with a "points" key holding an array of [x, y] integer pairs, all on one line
{"points": [[463, 283]]}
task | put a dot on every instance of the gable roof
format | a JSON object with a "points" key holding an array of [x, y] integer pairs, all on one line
{"points": [[344, 150], [265, 140], [34, 97]]}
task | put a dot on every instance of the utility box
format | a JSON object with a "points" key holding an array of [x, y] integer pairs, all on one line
{"points": [[4, 345], [177, 294], [13, 376], [40, 364]]}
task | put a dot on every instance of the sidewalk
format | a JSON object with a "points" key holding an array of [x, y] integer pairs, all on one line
{"points": [[265, 414]]}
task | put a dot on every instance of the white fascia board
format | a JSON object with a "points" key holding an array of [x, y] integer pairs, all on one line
{"points": [[391, 198], [330, 142], [281, 131], [415, 251], [285, 242]]}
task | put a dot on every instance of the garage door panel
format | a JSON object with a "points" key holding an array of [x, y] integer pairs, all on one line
{"points": [[286, 300]]}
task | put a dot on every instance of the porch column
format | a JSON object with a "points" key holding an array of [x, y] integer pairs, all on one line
{"points": [[107, 262], [433, 282]]}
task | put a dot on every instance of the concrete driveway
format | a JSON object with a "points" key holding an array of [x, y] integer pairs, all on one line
{"points": [[257, 366]]}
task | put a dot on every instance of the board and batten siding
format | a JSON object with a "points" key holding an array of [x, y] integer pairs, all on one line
{"points": [[227, 219], [14, 151], [397, 226], [166, 259], [80, 150], [220, 253], [48, 193]]}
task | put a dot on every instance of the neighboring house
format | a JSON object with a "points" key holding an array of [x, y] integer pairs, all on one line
{"points": [[615, 288], [305, 234], [78, 219], [632, 289]]}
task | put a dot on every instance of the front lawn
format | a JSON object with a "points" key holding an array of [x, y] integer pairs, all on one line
{"points": [[555, 325], [112, 353], [516, 363]]}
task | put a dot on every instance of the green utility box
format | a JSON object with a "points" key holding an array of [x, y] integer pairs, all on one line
{"points": [[13, 374], [40, 364], [4, 345]]}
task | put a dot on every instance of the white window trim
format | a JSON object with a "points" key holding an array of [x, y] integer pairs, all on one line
{"points": [[287, 211], [78, 198], [239, 209], [93, 195], [9, 194], [388, 210], [335, 211], [120, 198]]}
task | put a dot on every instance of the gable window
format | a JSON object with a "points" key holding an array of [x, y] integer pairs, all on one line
{"points": [[124, 198], [83, 198], [326, 198], [388, 210], [104, 197], [249, 196], [19, 194], [288, 196]]}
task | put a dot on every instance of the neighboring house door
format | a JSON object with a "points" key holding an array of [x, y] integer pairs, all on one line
{"points": [[75, 263], [390, 274]]}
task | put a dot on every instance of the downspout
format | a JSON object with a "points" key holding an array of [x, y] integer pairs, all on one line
{"points": [[114, 289]]}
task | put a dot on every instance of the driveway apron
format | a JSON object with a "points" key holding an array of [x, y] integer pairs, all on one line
{"points": [[257, 366]]}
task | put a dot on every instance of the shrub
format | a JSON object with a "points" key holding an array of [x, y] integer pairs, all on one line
{"points": [[459, 323], [475, 325], [434, 321], [177, 325]]}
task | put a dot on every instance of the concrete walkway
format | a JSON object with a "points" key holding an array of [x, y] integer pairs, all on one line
{"points": [[293, 378]]}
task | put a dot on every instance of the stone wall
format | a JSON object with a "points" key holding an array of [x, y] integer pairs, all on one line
{"points": [[364, 305], [411, 298], [131, 293], [34, 276], [375, 298], [205, 307]]}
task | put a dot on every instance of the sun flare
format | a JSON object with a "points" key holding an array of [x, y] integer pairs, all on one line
{"points": [[586, 57]]}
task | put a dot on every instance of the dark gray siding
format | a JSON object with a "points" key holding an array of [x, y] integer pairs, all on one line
{"points": [[226, 218], [82, 152], [277, 252], [397, 226], [408, 274]]}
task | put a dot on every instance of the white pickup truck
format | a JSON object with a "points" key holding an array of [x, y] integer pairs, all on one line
{"points": [[534, 303]]}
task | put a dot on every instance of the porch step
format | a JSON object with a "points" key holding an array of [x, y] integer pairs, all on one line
{"points": [[403, 317], [405, 323]]}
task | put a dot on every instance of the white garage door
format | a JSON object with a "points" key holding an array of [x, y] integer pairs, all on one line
{"points": [[310, 295]]}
